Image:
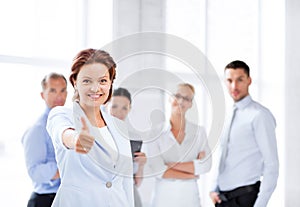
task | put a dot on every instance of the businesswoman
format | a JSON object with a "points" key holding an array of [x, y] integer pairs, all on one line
{"points": [[92, 150], [179, 155]]}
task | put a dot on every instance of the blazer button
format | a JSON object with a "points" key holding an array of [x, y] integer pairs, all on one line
{"points": [[108, 184]]}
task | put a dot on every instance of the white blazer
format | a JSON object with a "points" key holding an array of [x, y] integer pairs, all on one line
{"points": [[102, 177]]}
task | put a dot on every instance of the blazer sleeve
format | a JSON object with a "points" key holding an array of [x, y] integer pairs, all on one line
{"points": [[60, 118]]}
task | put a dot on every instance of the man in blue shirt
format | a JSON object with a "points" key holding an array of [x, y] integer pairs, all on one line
{"points": [[38, 148], [248, 147]]}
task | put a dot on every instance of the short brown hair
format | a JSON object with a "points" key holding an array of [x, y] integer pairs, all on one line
{"points": [[51, 76]]}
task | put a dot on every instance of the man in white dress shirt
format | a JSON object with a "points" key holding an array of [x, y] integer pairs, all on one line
{"points": [[248, 146]]}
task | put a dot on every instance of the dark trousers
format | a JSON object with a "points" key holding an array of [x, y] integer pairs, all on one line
{"points": [[41, 200], [240, 197]]}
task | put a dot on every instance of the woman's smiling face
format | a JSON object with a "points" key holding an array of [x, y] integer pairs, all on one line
{"points": [[93, 84]]}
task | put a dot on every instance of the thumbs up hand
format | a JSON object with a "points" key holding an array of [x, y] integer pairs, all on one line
{"points": [[84, 140]]}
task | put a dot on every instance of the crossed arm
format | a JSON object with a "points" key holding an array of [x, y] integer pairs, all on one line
{"points": [[182, 170]]}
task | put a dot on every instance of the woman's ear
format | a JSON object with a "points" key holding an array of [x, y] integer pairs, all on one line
{"points": [[129, 108], [74, 83], [190, 105], [171, 99]]}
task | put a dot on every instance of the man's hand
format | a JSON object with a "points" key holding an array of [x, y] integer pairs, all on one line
{"points": [[215, 197], [56, 176]]}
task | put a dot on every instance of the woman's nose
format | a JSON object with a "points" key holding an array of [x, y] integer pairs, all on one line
{"points": [[95, 87], [179, 100]]}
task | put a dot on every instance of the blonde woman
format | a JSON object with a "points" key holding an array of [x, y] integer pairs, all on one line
{"points": [[178, 155]]}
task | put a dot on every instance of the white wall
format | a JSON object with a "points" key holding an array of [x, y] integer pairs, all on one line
{"points": [[292, 103]]}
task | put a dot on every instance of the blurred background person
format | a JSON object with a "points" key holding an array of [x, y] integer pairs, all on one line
{"points": [[178, 155], [248, 147], [38, 148], [119, 107]]}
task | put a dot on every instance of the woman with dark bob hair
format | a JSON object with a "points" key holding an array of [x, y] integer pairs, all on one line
{"points": [[92, 151]]}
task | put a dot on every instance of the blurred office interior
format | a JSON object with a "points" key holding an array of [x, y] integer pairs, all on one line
{"points": [[38, 37]]}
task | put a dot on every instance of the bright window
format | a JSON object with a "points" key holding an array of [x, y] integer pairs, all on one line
{"points": [[38, 37]]}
